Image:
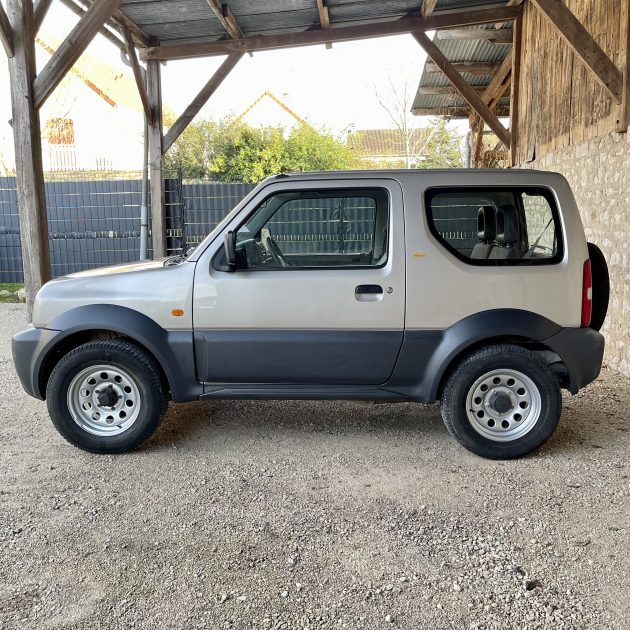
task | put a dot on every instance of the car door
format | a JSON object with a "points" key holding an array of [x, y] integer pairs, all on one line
{"points": [[318, 297]]}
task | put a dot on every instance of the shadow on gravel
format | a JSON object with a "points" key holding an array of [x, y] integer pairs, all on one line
{"points": [[591, 421], [207, 422]]}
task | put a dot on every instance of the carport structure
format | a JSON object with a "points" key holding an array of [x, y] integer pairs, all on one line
{"points": [[156, 31]]}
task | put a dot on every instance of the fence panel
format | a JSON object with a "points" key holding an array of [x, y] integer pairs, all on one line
{"points": [[93, 222]]}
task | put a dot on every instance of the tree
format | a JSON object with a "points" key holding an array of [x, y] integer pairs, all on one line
{"points": [[439, 147], [230, 151], [443, 148]]}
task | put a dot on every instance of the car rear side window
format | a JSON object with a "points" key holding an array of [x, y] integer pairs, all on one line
{"points": [[496, 225]]}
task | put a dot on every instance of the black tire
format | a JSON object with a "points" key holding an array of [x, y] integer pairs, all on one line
{"points": [[601, 286], [474, 367], [116, 353]]}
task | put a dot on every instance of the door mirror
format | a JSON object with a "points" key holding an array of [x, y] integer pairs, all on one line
{"points": [[229, 244]]}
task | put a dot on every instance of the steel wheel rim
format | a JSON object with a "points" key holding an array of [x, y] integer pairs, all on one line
{"points": [[503, 405], [104, 400]]}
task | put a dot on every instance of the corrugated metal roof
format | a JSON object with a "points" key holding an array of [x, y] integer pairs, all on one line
{"points": [[459, 50], [191, 21]]}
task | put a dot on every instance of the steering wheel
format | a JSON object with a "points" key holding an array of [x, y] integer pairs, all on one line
{"points": [[272, 249]]}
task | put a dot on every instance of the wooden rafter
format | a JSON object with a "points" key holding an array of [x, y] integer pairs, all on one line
{"points": [[226, 17], [583, 45], [469, 94], [138, 75], [71, 49], [6, 33], [510, 3], [40, 9], [428, 6], [119, 20], [454, 111], [200, 100], [448, 90], [504, 36], [338, 34], [107, 33], [324, 18], [496, 88], [476, 68]]}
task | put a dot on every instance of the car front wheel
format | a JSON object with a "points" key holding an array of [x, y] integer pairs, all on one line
{"points": [[502, 402], [106, 396]]}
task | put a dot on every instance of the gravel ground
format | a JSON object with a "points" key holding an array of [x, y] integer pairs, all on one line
{"points": [[313, 515]]}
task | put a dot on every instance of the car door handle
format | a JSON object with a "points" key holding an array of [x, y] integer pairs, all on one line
{"points": [[368, 293], [368, 289]]}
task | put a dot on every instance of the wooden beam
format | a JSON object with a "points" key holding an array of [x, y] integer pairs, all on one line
{"points": [[6, 33], [200, 100], [119, 20], [324, 18], [39, 12], [583, 45], [428, 90], [28, 153], [493, 36], [517, 59], [109, 35], [72, 48], [496, 88], [156, 161], [226, 17], [473, 99], [137, 75], [453, 111], [510, 3], [476, 68], [337, 34], [623, 120], [427, 8]]}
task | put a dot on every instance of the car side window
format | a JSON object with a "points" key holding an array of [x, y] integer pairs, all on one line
{"points": [[336, 228], [496, 225]]}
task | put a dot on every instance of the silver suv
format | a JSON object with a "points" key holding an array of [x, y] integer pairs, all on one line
{"points": [[474, 288]]}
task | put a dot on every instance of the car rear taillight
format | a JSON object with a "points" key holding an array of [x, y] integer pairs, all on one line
{"points": [[587, 294]]}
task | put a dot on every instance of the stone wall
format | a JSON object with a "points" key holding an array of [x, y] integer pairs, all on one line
{"points": [[599, 173]]}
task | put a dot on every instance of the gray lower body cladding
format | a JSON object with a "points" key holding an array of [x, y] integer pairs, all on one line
{"points": [[385, 365]]}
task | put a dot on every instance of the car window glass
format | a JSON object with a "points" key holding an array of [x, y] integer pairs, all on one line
{"points": [[323, 228], [495, 226]]}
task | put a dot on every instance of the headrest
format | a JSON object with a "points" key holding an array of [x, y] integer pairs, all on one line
{"points": [[507, 225], [486, 223]]}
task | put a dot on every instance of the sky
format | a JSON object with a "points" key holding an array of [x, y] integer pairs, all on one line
{"points": [[333, 89]]}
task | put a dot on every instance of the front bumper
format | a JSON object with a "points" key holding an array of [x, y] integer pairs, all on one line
{"points": [[29, 348], [582, 352]]}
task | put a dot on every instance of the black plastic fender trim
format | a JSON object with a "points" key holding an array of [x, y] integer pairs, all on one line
{"points": [[173, 349], [427, 354]]}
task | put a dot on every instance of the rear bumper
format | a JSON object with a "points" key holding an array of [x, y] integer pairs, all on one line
{"points": [[582, 352], [29, 347]]}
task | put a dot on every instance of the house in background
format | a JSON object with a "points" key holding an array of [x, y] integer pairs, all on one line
{"points": [[390, 148], [70, 138]]}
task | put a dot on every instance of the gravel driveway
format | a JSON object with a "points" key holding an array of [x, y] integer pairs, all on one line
{"points": [[313, 515]]}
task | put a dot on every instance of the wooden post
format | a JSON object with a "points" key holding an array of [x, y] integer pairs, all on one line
{"points": [[623, 121], [6, 33], [517, 56], [28, 152], [156, 161]]}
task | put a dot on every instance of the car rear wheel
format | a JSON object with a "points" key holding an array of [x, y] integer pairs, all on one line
{"points": [[501, 402], [106, 396]]}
